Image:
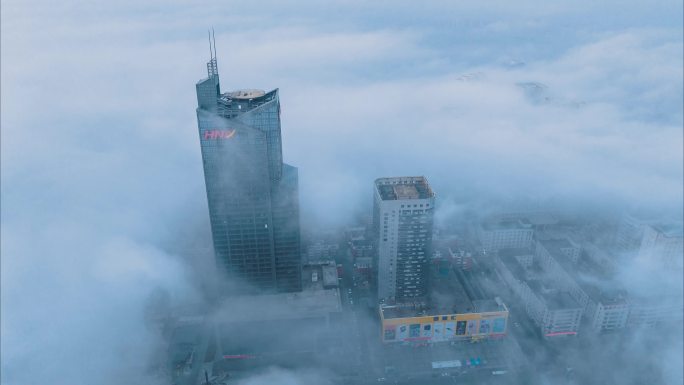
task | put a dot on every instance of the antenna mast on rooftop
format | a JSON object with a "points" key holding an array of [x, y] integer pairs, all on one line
{"points": [[212, 66]]}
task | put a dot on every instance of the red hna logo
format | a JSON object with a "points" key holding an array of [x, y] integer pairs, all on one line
{"points": [[218, 134]]}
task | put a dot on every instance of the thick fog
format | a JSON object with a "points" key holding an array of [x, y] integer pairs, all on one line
{"points": [[572, 107]]}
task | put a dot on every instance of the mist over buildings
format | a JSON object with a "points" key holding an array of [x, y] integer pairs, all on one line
{"points": [[573, 108]]}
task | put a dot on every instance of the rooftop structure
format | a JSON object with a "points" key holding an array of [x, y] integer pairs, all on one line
{"points": [[535, 218], [330, 276], [403, 188], [507, 225]]}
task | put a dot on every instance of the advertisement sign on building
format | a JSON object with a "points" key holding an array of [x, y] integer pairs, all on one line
{"points": [[449, 330], [218, 134], [439, 331], [390, 333], [414, 331], [403, 332], [484, 326], [461, 328], [499, 325], [427, 330], [472, 327]]}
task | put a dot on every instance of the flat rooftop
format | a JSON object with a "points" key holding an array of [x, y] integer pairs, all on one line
{"points": [[554, 299], [319, 276], [245, 94], [604, 296], [515, 252], [310, 303], [507, 225], [447, 296], [406, 191], [536, 218], [519, 271], [559, 300], [237, 102], [403, 188], [555, 245], [486, 305]]}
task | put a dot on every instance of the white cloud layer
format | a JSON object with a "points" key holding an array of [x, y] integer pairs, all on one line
{"points": [[101, 168]]}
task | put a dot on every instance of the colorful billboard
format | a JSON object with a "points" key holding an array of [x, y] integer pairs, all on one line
{"points": [[403, 332], [439, 332], [461, 328], [484, 326], [449, 330], [472, 327], [444, 327], [414, 331], [427, 331], [499, 325], [390, 333]]}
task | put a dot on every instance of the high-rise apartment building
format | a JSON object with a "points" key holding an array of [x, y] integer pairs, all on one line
{"points": [[402, 221], [663, 245], [252, 195]]}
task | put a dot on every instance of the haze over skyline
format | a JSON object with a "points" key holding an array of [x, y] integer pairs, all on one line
{"points": [[575, 105]]}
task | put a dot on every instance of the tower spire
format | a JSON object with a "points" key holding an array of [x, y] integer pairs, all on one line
{"points": [[214, 39], [212, 66], [211, 53]]}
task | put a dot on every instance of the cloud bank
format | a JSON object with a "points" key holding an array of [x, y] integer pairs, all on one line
{"points": [[102, 184]]}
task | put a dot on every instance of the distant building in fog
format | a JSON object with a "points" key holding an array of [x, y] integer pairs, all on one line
{"points": [[629, 233], [653, 242], [663, 245], [607, 310], [402, 224], [656, 310], [505, 234], [548, 304]]}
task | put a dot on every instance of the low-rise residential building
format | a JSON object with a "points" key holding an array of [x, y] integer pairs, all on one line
{"points": [[651, 311], [607, 309], [663, 245], [555, 311], [505, 234], [556, 258]]}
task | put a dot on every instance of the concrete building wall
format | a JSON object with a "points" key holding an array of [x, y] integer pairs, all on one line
{"points": [[564, 278], [610, 317], [655, 311], [561, 321], [629, 234], [658, 247], [505, 238]]}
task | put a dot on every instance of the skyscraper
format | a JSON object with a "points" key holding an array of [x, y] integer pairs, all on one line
{"points": [[253, 196], [402, 221]]}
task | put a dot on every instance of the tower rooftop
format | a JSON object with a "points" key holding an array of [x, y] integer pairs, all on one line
{"points": [[403, 188]]}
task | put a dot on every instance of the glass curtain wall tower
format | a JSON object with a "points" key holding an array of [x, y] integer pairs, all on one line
{"points": [[253, 196]]}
